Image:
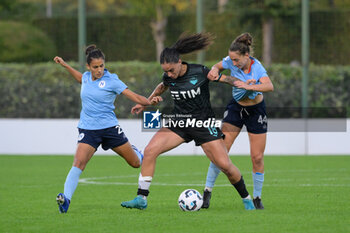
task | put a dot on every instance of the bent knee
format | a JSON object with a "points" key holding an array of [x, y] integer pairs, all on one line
{"points": [[258, 158], [224, 166], [150, 152], [135, 164]]}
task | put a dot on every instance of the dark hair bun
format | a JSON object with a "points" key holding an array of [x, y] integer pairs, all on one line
{"points": [[90, 48], [245, 38]]}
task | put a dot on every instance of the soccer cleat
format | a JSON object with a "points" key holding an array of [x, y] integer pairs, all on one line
{"points": [[137, 203], [63, 203], [258, 203], [206, 199], [248, 204]]}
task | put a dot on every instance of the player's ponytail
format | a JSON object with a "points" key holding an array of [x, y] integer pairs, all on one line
{"points": [[186, 44], [243, 44], [92, 52]]}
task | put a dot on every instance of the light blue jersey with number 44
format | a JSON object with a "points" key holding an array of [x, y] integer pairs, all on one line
{"points": [[97, 98], [257, 71]]}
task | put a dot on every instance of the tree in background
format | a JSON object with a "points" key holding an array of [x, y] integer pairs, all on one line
{"points": [[265, 11], [221, 5], [159, 10], [13, 9]]}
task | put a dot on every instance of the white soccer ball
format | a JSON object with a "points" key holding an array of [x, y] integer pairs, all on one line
{"points": [[190, 200]]}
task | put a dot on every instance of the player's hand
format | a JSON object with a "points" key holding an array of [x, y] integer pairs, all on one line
{"points": [[155, 100], [59, 60], [251, 81], [240, 84], [245, 85], [213, 74], [137, 109]]}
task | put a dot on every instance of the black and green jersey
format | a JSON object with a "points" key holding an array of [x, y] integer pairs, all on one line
{"points": [[190, 92]]}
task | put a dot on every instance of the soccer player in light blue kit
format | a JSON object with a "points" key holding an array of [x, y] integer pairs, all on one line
{"points": [[249, 79], [98, 123]]}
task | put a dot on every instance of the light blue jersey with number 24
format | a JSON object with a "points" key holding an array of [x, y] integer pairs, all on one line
{"points": [[97, 98], [257, 71]]}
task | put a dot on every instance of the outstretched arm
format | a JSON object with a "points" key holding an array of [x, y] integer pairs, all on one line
{"points": [[154, 98], [136, 97], [76, 74]]}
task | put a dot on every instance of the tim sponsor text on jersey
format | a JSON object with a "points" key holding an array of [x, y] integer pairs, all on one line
{"points": [[188, 94]]}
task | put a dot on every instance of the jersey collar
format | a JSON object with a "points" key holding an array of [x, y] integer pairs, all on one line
{"points": [[251, 63]]}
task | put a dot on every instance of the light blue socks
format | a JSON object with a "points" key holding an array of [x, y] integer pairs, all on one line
{"points": [[258, 180], [72, 182], [213, 172]]}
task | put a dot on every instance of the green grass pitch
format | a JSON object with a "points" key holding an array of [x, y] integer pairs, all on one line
{"points": [[301, 194]]}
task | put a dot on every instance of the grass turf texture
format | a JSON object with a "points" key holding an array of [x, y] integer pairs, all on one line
{"points": [[300, 194]]}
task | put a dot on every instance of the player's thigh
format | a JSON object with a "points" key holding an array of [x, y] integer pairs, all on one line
{"points": [[163, 141], [257, 144], [217, 153], [83, 155], [231, 132]]}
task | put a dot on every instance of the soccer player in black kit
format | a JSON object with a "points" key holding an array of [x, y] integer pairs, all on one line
{"points": [[189, 88]]}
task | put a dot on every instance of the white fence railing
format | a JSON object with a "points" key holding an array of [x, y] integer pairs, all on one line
{"points": [[286, 137]]}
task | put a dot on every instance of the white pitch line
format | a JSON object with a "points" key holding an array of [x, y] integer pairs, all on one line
{"points": [[94, 180]]}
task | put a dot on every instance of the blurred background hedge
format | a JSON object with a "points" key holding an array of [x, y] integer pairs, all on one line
{"points": [[46, 90], [328, 45], [21, 42]]}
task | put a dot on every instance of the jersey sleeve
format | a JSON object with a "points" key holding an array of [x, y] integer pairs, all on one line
{"points": [[226, 62], [261, 72], [85, 76], [119, 85], [205, 70]]}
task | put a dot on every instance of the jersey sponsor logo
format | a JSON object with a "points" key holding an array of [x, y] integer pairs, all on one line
{"points": [[81, 136], [194, 81], [102, 84], [172, 84], [151, 120], [189, 94]]}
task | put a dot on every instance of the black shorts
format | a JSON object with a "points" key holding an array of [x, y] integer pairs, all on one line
{"points": [[200, 135], [253, 117], [108, 138]]}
